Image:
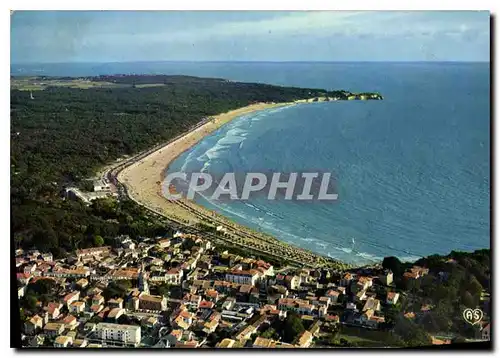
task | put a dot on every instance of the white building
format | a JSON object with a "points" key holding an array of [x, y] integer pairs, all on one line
{"points": [[174, 276], [101, 186], [243, 277], [119, 333]]}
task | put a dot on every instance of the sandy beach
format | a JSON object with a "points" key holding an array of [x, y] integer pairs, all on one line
{"points": [[144, 178]]}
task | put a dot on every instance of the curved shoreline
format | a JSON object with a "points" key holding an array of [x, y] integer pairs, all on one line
{"points": [[143, 180]]}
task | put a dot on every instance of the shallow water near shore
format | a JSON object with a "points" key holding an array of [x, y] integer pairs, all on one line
{"points": [[412, 171]]}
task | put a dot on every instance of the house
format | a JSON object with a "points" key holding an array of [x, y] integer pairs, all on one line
{"points": [[164, 243], [187, 344], [243, 277], [333, 295], [369, 319], [323, 301], [332, 318], [192, 300], [416, 272], [485, 332], [261, 342], [305, 339], [97, 300], [204, 305], [32, 325], [296, 305], [245, 333], [77, 307], [153, 303], [70, 322], [387, 277], [96, 308], [421, 271], [115, 303], [212, 323], [71, 297], [371, 304], [23, 278], [347, 279], [212, 295], [53, 329], [104, 312], [115, 313], [226, 343], [173, 337], [53, 309], [174, 276], [392, 298], [80, 343], [93, 251], [360, 296], [184, 320], [82, 283], [265, 267], [29, 269], [47, 257], [63, 341], [292, 282], [362, 284]]}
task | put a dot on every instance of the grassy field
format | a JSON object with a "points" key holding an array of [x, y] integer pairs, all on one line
{"points": [[145, 85], [35, 84]]}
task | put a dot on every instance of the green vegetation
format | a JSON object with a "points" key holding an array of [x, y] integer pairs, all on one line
{"points": [[117, 289], [455, 282], [292, 327], [63, 135]]}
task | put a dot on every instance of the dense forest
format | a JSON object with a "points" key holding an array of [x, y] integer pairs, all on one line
{"points": [[62, 135], [455, 282]]}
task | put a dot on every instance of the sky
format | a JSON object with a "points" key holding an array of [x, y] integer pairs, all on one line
{"points": [[122, 36]]}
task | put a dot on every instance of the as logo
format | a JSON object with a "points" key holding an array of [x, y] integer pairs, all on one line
{"points": [[473, 316]]}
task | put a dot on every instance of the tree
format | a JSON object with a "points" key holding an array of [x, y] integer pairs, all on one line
{"points": [[42, 287], [412, 334], [30, 301], [458, 339], [392, 263], [98, 240], [474, 287], [468, 300], [293, 327]]}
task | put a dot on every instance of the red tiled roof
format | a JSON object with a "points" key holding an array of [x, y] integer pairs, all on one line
{"points": [[206, 304]]}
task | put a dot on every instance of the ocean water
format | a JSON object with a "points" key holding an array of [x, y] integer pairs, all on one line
{"points": [[412, 171]]}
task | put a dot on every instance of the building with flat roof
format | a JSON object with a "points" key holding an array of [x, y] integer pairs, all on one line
{"points": [[118, 334]]}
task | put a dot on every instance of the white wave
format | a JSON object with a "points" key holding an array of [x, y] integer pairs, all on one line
{"points": [[409, 258]]}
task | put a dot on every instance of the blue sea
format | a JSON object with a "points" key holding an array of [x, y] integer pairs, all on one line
{"points": [[412, 171]]}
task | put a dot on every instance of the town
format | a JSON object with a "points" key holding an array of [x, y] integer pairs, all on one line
{"points": [[183, 292]]}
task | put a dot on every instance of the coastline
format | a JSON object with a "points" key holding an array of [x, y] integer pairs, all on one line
{"points": [[143, 180]]}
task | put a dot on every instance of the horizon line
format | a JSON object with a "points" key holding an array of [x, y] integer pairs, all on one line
{"points": [[243, 61]]}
